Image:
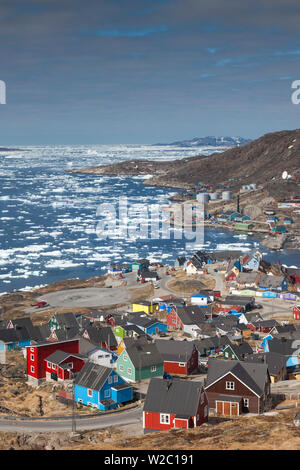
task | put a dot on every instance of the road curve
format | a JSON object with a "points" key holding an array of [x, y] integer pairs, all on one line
{"points": [[82, 424]]}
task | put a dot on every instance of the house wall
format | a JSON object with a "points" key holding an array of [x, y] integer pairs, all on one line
{"points": [[219, 388], [40, 353]]}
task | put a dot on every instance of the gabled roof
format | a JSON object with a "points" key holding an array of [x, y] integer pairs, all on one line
{"points": [[172, 350], [270, 282], [192, 315], [66, 319], [241, 350], [92, 376], [142, 353], [9, 335], [59, 356], [253, 375], [282, 346], [99, 335], [274, 361], [173, 396]]}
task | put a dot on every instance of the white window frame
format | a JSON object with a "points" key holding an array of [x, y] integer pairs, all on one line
{"points": [[32, 349], [121, 368], [164, 418], [107, 393], [181, 364], [125, 357], [116, 378], [54, 367], [246, 402], [153, 368], [129, 370], [110, 379], [32, 369], [89, 392], [230, 385], [49, 365], [32, 357]]}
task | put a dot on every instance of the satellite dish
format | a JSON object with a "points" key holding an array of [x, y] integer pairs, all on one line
{"points": [[284, 175]]}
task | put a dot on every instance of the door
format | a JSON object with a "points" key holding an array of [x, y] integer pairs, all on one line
{"points": [[219, 408], [234, 409]]}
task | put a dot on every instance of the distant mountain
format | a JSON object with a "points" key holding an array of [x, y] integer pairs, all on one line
{"points": [[210, 141]]}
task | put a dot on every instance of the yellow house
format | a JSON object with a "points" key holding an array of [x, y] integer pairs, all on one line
{"points": [[145, 306]]}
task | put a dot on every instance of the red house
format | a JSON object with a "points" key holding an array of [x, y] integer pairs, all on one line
{"points": [[180, 357], [62, 365], [173, 404], [296, 313], [173, 320], [36, 355]]}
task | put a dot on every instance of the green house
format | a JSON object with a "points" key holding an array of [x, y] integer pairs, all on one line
{"points": [[243, 226], [229, 353], [119, 332], [140, 361]]}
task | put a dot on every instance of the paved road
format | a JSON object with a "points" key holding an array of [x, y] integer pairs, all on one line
{"points": [[84, 424]]}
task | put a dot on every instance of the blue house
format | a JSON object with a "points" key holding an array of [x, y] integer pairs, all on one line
{"points": [[101, 387], [150, 326]]}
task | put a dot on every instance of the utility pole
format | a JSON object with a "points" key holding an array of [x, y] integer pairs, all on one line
{"points": [[73, 403]]}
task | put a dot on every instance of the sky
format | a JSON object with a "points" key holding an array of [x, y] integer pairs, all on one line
{"points": [[146, 71]]}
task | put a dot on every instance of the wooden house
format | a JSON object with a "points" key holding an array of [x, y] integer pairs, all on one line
{"points": [[174, 404], [61, 365], [101, 387], [145, 306], [180, 357], [37, 353], [139, 360], [236, 387]]}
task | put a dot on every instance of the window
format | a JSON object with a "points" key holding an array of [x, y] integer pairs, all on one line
{"points": [[107, 393], [53, 366], [129, 370], [164, 418], [125, 357], [181, 364], [115, 378], [110, 379], [121, 368], [153, 368], [32, 369], [226, 354], [32, 357], [49, 365], [229, 385], [246, 402], [32, 349], [90, 392], [80, 400]]}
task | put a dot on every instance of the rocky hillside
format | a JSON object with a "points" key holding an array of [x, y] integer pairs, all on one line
{"points": [[261, 161]]}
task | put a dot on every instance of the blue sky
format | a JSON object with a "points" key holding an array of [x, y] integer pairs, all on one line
{"points": [[146, 71]]}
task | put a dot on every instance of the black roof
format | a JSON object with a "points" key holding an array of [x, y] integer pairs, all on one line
{"points": [[193, 315], [274, 361], [92, 376], [172, 350], [142, 353], [99, 335], [173, 396], [254, 375]]}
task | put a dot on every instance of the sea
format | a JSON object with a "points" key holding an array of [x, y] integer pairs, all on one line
{"points": [[50, 218]]}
